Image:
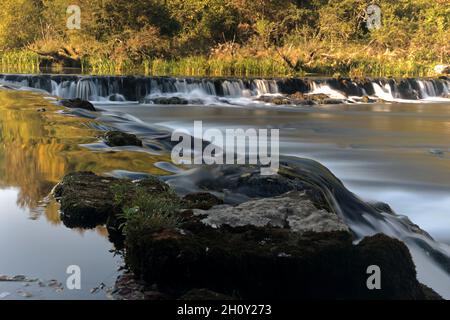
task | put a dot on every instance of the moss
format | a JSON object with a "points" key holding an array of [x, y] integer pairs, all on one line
{"points": [[200, 200], [254, 262], [271, 263], [119, 138], [88, 200]]}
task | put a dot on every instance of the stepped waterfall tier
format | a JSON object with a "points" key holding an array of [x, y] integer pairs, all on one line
{"points": [[112, 88]]}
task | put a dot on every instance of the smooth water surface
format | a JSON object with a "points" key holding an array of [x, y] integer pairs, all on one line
{"points": [[396, 153]]}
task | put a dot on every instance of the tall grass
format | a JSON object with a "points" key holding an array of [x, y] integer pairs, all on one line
{"points": [[19, 62], [268, 65]]}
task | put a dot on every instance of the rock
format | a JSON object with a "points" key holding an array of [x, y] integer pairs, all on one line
{"points": [[248, 182], [288, 245], [429, 293], [398, 273], [383, 207], [265, 262], [116, 97], [127, 287], [366, 99], [25, 294], [437, 152], [16, 278], [253, 262], [292, 210], [332, 101], [297, 96], [78, 103], [442, 69], [200, 200], [204, 294], [87, 200], [119, 138], [318, 97], [168, 100], [277, 100]]}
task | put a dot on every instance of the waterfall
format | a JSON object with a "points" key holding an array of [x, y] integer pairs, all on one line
{"points": [[139, 88], [383, 92]]}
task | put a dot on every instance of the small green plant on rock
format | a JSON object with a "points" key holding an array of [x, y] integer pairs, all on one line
{"points": [[149, 213]]}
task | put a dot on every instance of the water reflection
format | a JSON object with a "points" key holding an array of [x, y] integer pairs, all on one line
{"points": [[38, 148]]}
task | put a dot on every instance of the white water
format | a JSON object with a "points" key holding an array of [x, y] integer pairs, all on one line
{"points": [[240, 92]]}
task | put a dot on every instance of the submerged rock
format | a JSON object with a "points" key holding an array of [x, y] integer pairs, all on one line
{"points": [[78, 103], [119, 138]]}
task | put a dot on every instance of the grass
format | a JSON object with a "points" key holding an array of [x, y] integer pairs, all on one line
{"points": [[19, 62], [145, 213], [267, 64]]}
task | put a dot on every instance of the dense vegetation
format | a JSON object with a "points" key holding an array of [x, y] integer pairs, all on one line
{"points": [[265, 37]]}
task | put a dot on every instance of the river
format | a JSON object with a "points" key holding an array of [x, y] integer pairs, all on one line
{"points": [[396, 152]]}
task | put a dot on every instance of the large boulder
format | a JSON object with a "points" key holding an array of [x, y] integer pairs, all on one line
{"points": [[274, 248]]}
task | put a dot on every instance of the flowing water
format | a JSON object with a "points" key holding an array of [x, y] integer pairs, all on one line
{"points": [[396, 152]]}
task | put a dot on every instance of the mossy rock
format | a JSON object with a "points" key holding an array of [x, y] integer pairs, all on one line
{"points": [[272, 263], [200, 200], [88, 200], [398, 273], [119, 138], [78, 103]]}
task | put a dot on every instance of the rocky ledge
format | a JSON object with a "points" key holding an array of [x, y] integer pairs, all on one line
{"points": [[287, 246]]}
